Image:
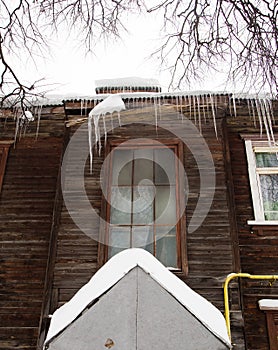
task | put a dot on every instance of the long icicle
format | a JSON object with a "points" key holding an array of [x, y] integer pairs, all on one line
{"points": [[265, 121], [213, 115], [105, 130], [268, 118], [259, 116], [39, 111], [90, 135]]}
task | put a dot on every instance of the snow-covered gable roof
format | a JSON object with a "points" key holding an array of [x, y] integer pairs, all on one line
{"points": [[127, 82], [114, 270]]}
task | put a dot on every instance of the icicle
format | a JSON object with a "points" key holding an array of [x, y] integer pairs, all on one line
{"points": [[204, 102], [16, 126], [111, 120], [155, 111], [213, 115], [263, 111], [234, 104], [159, 108], [177, 105], [97, 132], [119, 118], [85, 107], [249, 108], [268, 123], [39, 111], [259, 116], [253, 111], [90, 142], [190, 107], [81, 107], [105, 130], [194, 110], [181, 112], [199, 114]]}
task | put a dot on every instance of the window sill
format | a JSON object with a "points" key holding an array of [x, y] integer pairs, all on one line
{"points": [[262, 223], [268, 304]]}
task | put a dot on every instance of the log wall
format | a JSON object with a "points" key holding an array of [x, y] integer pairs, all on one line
{"points": [[210, 249], [258, 245], [26, 208], [41, 243]]}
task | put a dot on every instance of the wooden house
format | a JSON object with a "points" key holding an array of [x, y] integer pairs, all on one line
{"points": [[191, 178]]}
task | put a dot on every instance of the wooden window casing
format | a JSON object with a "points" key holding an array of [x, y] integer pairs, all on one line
{"points": [[270, 307], [176, 146], [272, 327], [4, 150], [254, 148]]}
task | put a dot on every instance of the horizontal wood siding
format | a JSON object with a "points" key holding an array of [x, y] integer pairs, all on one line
{"points": [[209, 248], [258, 245], [26, 206]]}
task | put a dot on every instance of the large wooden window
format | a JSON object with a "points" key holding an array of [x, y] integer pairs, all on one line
{"points": [[270, 307], [263, 175], [4, 150], [145, 202]]}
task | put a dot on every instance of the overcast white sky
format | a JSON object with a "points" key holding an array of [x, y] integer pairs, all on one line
{"points": [[73, 72]]}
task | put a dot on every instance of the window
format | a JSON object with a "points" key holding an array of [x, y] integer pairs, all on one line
{"points": [[270, 307], [263, 175], [145, 207], [4, 150]]}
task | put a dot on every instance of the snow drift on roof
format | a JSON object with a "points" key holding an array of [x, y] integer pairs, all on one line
{"points": [[112, 103], [115, 269], [128, 82]]}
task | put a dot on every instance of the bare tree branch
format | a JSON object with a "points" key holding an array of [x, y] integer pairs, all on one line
{"points": [[199, 35], [239, 33]]}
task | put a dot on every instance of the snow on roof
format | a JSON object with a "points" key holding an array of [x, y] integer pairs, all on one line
{"points": [[127, 82], [112, 103], [115, 269], [268, 304]]}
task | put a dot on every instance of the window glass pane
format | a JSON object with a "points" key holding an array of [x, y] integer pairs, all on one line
{"points": [[143, 197], [269, 189], [143, 171], [165, 205], [119, 239], [166, 246], [164, 166], [265, 160], [122, 167], [142, 237], [120, 209]]}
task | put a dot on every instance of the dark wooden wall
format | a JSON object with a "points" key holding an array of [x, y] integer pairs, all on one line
{"points": [[26, 208], [31, 221], [258, 245], [211, 253]]}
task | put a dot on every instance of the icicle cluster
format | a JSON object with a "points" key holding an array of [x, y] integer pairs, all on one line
{"points": [[199, 107], [113, 103], [260, 110], [23, 119]]}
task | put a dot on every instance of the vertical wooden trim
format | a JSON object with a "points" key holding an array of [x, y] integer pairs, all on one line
{"points": [[272, 331], [4, 148], [104, 211], [231, 199], [182, 221], [48, 296], [255, 187]]}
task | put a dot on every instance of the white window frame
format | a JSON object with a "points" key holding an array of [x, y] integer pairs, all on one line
{"points": [[254, 172]]}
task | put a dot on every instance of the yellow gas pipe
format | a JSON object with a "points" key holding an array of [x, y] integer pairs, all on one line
{"points": [[230, 277]]}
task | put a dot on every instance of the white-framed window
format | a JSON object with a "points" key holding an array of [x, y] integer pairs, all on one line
{"points": [[263, 175]]}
